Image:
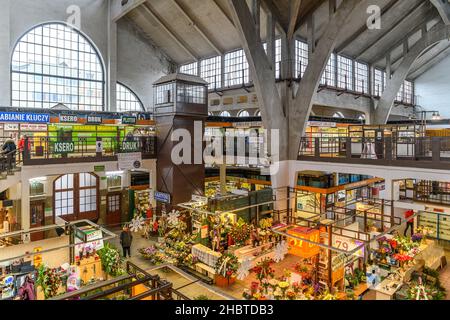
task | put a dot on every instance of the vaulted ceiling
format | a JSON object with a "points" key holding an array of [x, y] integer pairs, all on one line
{"points": [[189, 30]]}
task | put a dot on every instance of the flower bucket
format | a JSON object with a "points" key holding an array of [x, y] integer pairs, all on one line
{"points": [[222, 281]]}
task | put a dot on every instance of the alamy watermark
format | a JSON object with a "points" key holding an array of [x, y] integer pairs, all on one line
{"points": [[74, 19], [374, 20], [251, 149]]}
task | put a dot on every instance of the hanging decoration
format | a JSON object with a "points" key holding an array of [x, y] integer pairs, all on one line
{"points": [[281, 250], [137, 224], [244, 269], [173, 218]]}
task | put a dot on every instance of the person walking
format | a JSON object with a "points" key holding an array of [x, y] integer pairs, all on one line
{"points": [[126, 239], [24, 146], [9, 148], [410, 222]]}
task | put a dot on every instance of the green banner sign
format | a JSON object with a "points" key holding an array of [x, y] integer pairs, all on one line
{"points": [[129, 120], [130, 146], [63, 147]]}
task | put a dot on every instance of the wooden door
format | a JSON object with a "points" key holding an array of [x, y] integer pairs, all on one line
{"points": [[37, 219], [113, 210]]}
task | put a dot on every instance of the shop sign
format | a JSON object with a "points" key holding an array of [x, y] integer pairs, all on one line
{"points": [[130, 146], [37, 258], [302, 248], [162, 197], [24, 117], [31, 127], [94, 120], [99, 168], [129, 120], [66, 118], [322, 124], [11, 127], [129, 161], [99, 147], [255, 124], [200, 199], [63, 147]]}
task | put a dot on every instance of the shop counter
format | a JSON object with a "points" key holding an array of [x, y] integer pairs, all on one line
{"points": [[205, 270], [386, 290], [249, 252]]}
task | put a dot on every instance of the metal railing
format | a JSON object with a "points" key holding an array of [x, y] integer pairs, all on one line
{"points": [[388, 150], [44, 149]]}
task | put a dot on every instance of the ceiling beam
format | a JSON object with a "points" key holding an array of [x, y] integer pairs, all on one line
{"points": [[363, 29], [224, 13], [431, 15], [293, 19], [197, 28], [405, 18], [118, 10], [269, 6], [417, 72], [443, 8], [150, 11]]}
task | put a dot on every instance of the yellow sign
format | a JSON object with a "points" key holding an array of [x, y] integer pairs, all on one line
{"points": [[37, 258]]}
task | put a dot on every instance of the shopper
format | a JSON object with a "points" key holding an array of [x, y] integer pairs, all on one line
{"points": [[24, 140], [126, 239], [8, 149], [410, 222]]}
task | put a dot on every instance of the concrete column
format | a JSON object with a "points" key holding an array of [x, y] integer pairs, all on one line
{"points": [[25, 204], [5, 49], [437, 33], [110, 100], [271, 39], [223, 179]]}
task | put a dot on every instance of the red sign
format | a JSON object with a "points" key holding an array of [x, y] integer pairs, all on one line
{"points": [[301, 248]]}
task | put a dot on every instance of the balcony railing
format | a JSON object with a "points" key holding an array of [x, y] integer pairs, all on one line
{"points": [[50, 149], [428, 152]]}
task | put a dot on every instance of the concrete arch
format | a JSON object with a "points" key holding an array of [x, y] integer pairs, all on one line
{"points": [[436, 34]]}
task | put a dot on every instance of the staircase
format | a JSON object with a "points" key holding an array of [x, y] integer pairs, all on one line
{"points": [[9, 179]]}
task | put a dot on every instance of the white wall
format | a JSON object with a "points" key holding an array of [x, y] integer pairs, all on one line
{"points": [[433, 88], [139, 63], [125, 54]]}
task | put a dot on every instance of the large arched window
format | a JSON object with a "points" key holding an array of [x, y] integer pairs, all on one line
{"points": [[225, 114], [54, 63], [76, 196], [127, 100], [243, 114]]}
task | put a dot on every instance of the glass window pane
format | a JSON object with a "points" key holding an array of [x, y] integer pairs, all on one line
{"points": [[67, 63]]}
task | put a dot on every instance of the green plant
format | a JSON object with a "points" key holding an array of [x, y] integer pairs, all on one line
{"points": [[227, 265], [201, 297], [111, 260], [49, 281]]}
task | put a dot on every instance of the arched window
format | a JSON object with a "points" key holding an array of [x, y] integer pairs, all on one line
{"points": [[76, 197], [258, 113], [127, 100], [225, 114], [54, 63], [338, 115], [243, 114], [362, 117]]}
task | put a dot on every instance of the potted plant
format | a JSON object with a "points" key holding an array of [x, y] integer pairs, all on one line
{"points": [[226, 269], [111, 260], [49, 281]]}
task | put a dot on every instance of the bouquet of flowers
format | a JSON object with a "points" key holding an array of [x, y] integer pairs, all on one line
{"points": [[264, 270], [111, 260], [227, 265], [49, 280], [240, 232]]}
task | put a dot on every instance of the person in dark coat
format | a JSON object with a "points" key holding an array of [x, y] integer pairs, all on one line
{"points": [[8, 149], [126, 238]]}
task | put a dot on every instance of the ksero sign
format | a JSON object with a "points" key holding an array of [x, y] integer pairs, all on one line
{"points": [[63, 147]]}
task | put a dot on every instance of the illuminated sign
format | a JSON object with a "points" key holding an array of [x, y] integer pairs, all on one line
{"points": [[162, 197], [24, 117], [301, 248], [129, 120]]}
